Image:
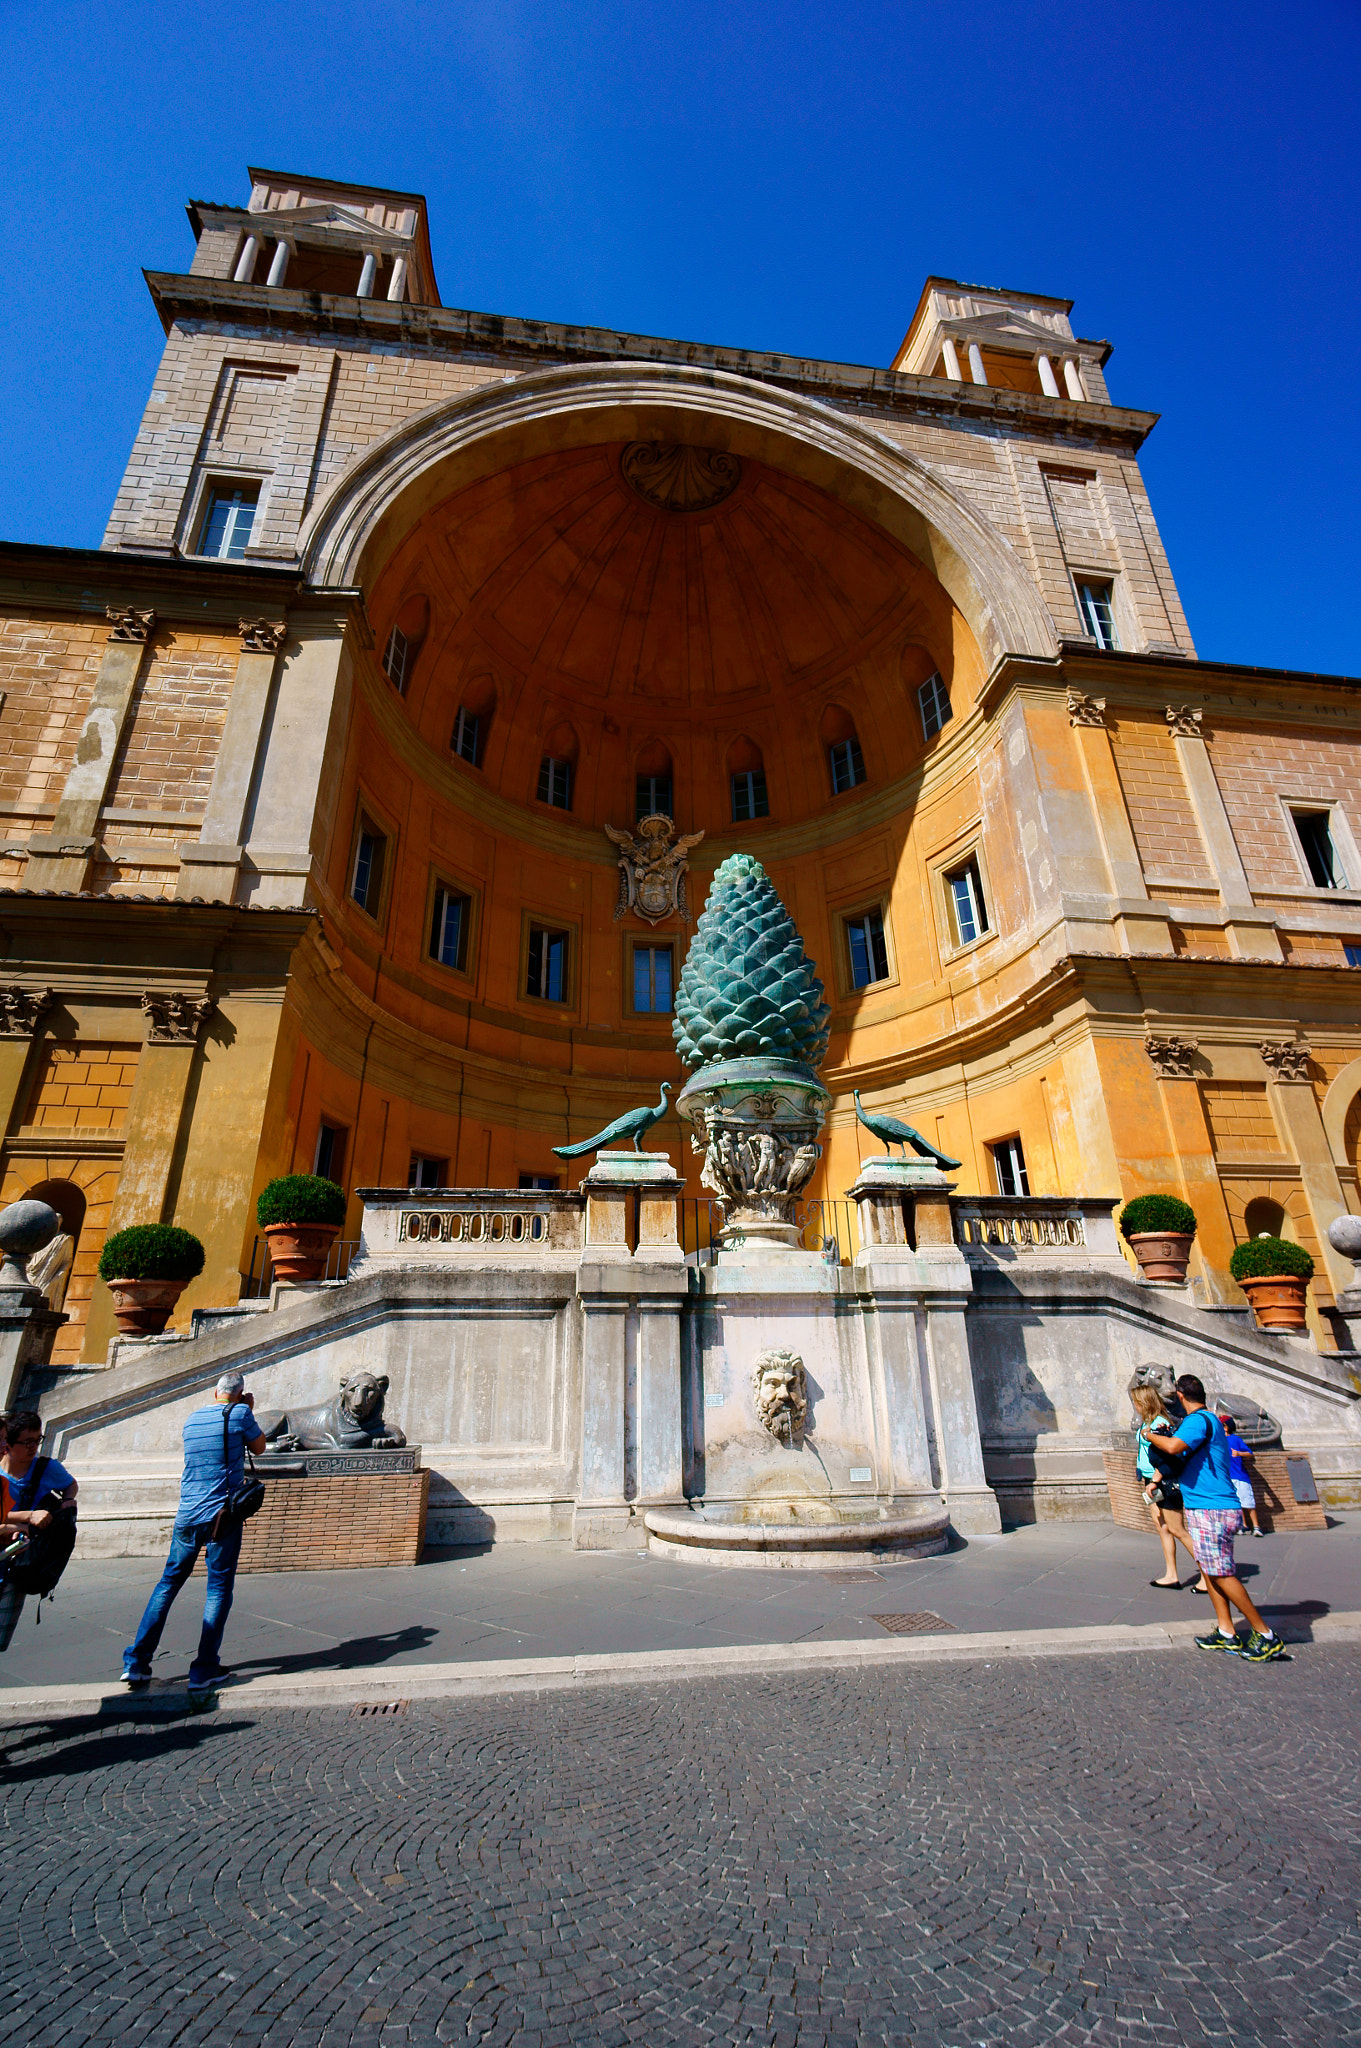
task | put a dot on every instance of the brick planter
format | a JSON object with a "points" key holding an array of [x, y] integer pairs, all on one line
{"points": [[337, 1522], [1276, 1502]]}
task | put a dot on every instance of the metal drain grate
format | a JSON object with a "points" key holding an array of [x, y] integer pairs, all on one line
{"points": [[914, 1624], [389, 1709]]}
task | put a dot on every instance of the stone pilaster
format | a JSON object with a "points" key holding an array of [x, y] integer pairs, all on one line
{"points": [[60, 859], [1251, 932], [210, 865]]}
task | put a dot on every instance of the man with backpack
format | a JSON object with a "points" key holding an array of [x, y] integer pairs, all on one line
{"points": [[37, 1509], [1213, 1519], [210, 1516]]}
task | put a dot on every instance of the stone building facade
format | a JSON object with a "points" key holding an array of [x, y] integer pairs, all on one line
{"points": [[306, 772]]}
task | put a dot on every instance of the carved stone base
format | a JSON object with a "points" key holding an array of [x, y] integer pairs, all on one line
{"points": [[756, 1122]]}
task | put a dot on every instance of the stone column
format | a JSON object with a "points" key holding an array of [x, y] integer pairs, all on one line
{"points": [[951, 355], [1049, 383], [1072, 381], [278, 269], [367, 274], [245, 265], [152, 1133], [1251, 932], [397, 288], [1295, 1106], [921, 1284], [210, 866], [61, 860], [976, 370]]}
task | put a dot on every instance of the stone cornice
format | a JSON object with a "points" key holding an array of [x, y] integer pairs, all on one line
{"points": [[310, 317], [175, 587], [1151, 681]]}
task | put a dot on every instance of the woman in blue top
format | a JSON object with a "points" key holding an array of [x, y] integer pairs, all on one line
{"points": [[1210, 1509]]}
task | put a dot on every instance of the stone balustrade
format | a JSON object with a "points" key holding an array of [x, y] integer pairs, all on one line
{"points": [[442, 1226], [1036, 1226]]}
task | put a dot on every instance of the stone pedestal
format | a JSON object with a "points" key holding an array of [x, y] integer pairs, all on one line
{"points": [[28, 1329], [613, 1184], [1344, 1235], [902, 1205]]}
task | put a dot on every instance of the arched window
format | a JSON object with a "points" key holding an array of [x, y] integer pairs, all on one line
{"points": [[1264, 1218], [472, 724], [747, 781], [654, 783], [842, 745], [558, 768], [405, 637]]}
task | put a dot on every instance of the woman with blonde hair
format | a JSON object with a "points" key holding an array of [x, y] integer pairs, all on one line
{"points": [[1166, 1509]]}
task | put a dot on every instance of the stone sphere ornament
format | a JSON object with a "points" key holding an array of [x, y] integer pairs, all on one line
{"points": [[1344, 1235], [25, 1228]]}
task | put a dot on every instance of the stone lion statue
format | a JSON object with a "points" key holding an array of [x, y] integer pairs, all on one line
{"points": [[781, 1388], [351, 1420]]}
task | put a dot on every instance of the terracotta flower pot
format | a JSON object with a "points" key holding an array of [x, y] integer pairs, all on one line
{"points": [[144, 1307], [1162, 1254], [1277, 1300], [299, 1251]]}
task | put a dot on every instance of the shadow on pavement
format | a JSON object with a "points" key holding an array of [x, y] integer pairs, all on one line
{"points": [[356, 1653], [1294, 1617], [86, 1744]]}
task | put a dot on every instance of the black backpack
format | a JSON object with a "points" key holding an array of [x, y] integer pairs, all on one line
{"points": [[49, 1549]]}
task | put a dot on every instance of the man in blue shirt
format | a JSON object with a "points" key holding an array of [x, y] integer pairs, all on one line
{"points": [[1213, 1519], [214, 1461]]}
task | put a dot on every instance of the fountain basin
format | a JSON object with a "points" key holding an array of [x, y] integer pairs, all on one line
{"points": [[797, 1535]]}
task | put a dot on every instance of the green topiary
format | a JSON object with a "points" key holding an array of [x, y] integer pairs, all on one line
{"points": [[151, 1251], [1158, 1213], [300, 1198], [1270, 1258], [748, 989]]}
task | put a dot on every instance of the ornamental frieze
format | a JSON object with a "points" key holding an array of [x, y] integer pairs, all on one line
{"points": [[1173, 1058]]}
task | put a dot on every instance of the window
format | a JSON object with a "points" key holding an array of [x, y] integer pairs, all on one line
{"points": [[1353, 954], [848, 764], [933, 700], [868, 948], [968, 912], [467, 735], [1316, 838], [449, 923], [555, 783], [330, 1159], [653, 968], [227, 521], [653, 797], [546, 971], [396, 656], [1009, 1165], [1094, 602], [366, 881], [749, 799], [427, 1173], [540, 1183]]}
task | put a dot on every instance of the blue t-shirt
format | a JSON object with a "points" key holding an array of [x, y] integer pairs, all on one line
{"points": [[1237, 1445], [55, 1479], [1207, 1476], [207, 1481]]}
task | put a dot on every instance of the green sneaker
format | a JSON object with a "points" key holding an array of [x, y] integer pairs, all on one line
{"points": [[1215, 1641], [1260, 1649]]}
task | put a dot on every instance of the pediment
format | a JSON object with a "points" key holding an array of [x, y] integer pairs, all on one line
{"points": [[1006, 326], [331, 217]]}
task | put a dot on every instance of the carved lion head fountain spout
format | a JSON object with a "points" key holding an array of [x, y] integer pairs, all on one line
{"points": [[752, 1025]]}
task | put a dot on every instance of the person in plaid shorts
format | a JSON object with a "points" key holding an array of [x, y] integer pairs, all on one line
{"points": [[1213, 1519]]}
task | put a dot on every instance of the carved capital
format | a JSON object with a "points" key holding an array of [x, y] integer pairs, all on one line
{"points": [[21, 1009], [1184, 721], [1174, 1058], [1085, 710], [175, 1018], [263, 636], [1288, 1058], [127, 624]]}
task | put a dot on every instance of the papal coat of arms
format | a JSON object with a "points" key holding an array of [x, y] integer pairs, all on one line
{"points": [[652, 868]]}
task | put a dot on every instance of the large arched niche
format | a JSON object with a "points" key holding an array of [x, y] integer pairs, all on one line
{"points": [[396, 482]]}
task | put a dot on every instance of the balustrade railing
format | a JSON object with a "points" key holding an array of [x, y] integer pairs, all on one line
{"points": [[1044, 1224]]}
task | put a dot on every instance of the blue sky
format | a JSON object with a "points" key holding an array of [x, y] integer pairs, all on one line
{"points": [[769, 176]]}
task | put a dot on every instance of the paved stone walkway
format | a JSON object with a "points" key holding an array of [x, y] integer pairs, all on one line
{"points": [[1125, 1850]]}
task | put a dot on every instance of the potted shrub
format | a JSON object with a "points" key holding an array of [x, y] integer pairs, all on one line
{"points": [[1159, 1230], [146, 1269], [301, 1215], [1275, 1276]]}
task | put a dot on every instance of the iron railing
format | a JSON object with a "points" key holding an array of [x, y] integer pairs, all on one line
{"points": [[259, 1277], [824, 1225]]}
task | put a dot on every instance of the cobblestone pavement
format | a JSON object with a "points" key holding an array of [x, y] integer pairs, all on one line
{"points": [[1135, 1849]]}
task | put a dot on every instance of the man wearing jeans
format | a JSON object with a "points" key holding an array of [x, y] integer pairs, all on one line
{"points": [[1213, 1519], [209, 1479]]}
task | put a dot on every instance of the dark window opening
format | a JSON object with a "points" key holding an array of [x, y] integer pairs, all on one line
{"points": [[749, 799], [427, 1173], [868, 948], [330, 1159], [366, 882], [653, 969], [1097, 615], [228, 520], [540, 1183], [1009, 1165], [546, 972], [848, 765], [396, 658], [933, 700], [652, 797], [449, 928], [968, 911], [467, 735], [555, 783], [1316, 838]]}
